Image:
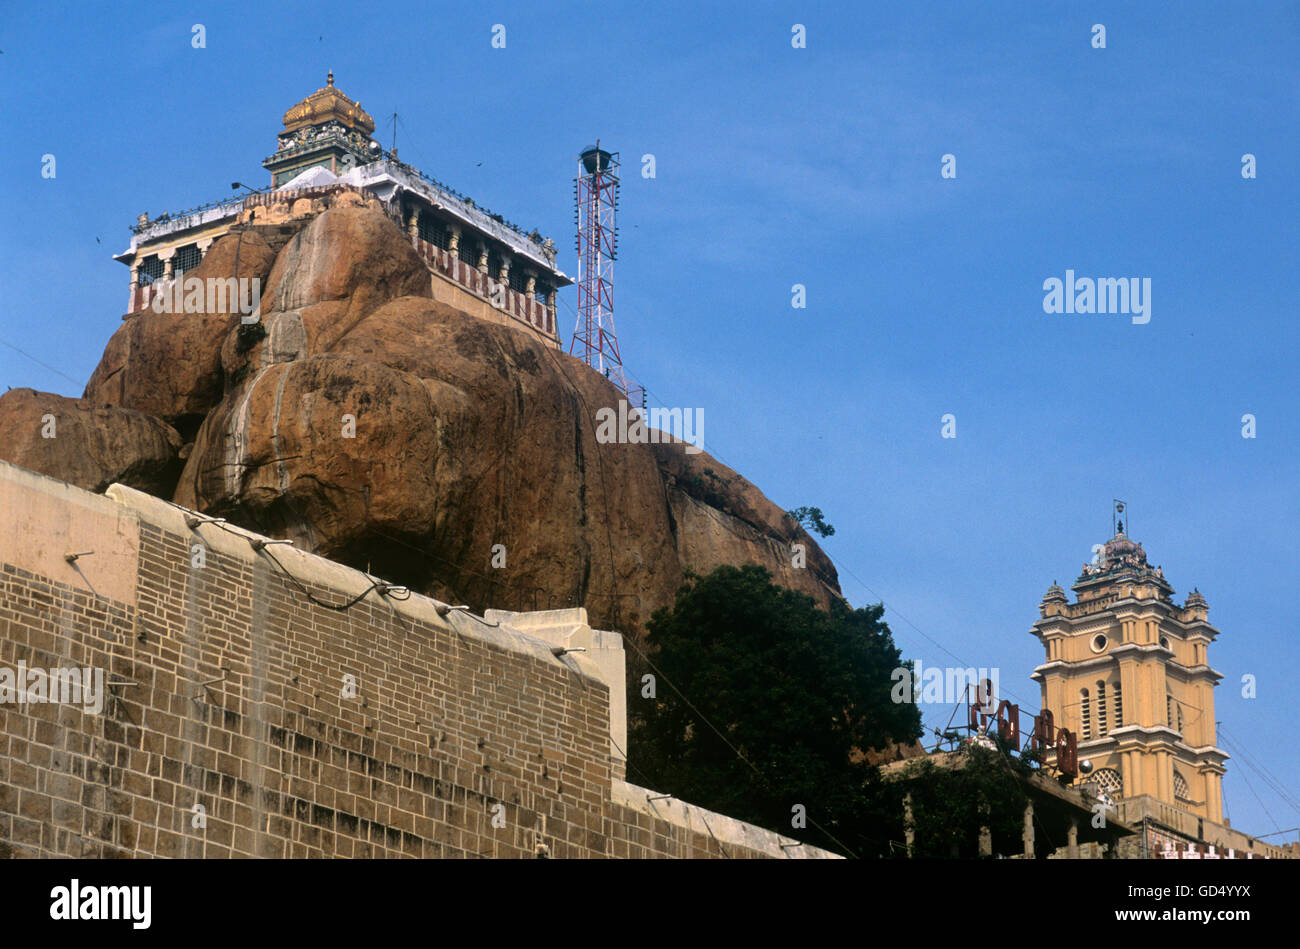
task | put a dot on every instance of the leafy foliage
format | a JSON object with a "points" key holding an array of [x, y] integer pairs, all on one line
{"points": [[950, 804], [798, 691], [707, 486], [812, 520]]}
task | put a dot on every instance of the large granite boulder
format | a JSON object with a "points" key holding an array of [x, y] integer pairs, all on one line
{"points": [[384, 429], [88, 445]]}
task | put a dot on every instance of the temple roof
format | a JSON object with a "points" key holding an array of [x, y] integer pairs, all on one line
{"points": [[1054, 593], [1122, 557], [325, 104]]}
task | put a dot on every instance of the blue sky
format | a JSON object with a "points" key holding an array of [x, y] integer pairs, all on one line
{"points": [[818, 166]]}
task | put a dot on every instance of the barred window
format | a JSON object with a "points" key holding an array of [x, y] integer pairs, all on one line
{"points": [[1119, 706], [151, 269], [1102, 724], [434, 231], [468, 251], [494, 264], [543, 293], [187, 258], [518, 280], [1085, 713]]}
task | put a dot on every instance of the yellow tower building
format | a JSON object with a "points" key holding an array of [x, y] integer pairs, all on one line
{"points": [[1127, 671]]}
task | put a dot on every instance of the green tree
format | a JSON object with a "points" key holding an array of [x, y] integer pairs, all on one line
{"points": [[796, 690], [982, 787], [812, 520]]}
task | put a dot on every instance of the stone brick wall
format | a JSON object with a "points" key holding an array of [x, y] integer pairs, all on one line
{"points": [[300, 731], [644, 824]]}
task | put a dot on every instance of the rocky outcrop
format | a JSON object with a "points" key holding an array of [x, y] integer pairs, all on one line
{"points": [[384, 429], [720, 518], [88, 445], [169, 364]]}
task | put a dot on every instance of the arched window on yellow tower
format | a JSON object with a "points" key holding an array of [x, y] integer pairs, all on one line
{"points": [[1173, 712], [1109, 782], [1110, 706], [1085, 713]]}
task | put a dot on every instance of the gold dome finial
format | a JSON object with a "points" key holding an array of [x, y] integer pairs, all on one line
{"points": [[325, 104]]}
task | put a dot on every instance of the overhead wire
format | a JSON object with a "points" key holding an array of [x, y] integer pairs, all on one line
{"points": [[338, 607], [396, 591], [1261, 769], [1261, 772], [1262, 805], [39, 363]]}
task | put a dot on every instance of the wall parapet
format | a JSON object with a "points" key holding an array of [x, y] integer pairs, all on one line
{"points": [[1183, 828], [311, 568], [724, 831], [303, 712], [518, 305]]}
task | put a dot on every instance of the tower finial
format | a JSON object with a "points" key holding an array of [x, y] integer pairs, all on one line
{"points": [[329, 79]]}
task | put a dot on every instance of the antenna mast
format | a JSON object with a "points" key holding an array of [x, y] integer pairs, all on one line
{"points": [[595, 192]]}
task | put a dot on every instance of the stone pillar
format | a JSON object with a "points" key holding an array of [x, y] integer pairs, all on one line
{"points": [[204, 244], [1072, 839], [1213, 784], [1027, 836], [909, 830], [1131, 775], [413, 225], [453, 245], [504, 275], [135, 286], [986, 833], [530, 290], [482, 259]]}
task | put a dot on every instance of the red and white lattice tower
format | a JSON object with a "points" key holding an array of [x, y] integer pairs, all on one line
{"points": [[596, 193]]}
